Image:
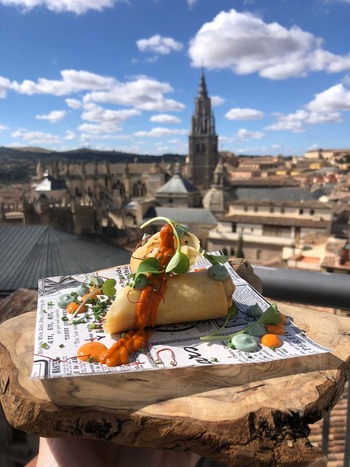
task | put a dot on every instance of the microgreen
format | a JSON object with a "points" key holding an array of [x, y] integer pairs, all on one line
{"points": [[179, 263], [270, 316], [108, 287], [215, 259], [147, 266], [232, 313]]}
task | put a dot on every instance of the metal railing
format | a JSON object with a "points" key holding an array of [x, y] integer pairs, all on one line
{"points": [[318, 289], [299, 286]]}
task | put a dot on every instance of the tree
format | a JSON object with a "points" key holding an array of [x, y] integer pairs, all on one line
{"points": [[239, 248]]}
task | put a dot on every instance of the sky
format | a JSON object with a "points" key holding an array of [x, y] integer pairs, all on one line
{"points": [[123, 74]]}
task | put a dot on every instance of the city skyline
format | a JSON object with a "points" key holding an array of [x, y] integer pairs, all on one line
{"points": [[123, 75]]}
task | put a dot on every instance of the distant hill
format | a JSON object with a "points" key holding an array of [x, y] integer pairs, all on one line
{"points": [[18, 164]]}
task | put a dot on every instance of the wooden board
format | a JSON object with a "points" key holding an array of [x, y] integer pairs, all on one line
{"points": [[254, 414]]}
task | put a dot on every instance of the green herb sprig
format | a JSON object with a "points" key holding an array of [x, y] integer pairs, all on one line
{"points": [[179, 263], [270, 316]]}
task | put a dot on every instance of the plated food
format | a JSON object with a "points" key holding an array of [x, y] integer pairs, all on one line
{"points": [[164, 287], [162, 290]]}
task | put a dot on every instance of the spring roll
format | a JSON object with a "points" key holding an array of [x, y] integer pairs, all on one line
{"points": [[188, 297], [189, 246]]}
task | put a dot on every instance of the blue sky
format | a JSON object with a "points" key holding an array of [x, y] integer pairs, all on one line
{"points": [[123, 75]]}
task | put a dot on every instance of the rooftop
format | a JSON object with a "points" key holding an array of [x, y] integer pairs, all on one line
{"points": [[177, 185], [28, 253], [183, 216]]}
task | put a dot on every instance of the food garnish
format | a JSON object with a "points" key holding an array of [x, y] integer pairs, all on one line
{"points": [[169, 253], [268, 326]]}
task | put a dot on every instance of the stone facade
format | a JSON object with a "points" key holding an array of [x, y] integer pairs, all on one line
{"points": [[203, 141]]}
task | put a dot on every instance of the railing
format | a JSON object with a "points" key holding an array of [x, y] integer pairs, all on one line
{"points": [[309, 287], [318, 289]]}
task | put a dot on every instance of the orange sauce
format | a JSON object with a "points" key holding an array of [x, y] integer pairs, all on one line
{"points": [[91, 351], [146, 308], [271, 340], [73, 306]]}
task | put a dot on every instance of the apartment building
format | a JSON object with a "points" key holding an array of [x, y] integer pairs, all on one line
{"points": [[270, 224]]}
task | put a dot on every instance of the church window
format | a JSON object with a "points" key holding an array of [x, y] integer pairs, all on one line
{"points": [[119, 187], [139, 189]]}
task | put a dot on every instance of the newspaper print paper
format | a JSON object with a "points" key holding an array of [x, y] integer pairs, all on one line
{"points": [[173, 346]]}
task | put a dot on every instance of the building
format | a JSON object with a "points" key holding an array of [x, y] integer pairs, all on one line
{"points": [[200, 221], [203, 141], [270, 224], [179, 192]]}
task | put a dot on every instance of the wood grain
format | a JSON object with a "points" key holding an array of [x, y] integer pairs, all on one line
{"points": [[254, 414]]}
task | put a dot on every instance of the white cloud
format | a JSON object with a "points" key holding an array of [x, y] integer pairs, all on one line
{"points": [[73, 81], [3, 128], [244, 114], [336, 98], [58, 6], [217, 100], [241, 135], [259, 150], [99, 129], [96, 113], [160, 132], [246, 44], [191, 3], [5, 85], [159, 45], [296, 122], [36, 137], [74, 104], [70, 135], [53, 117], [104, 121], [245, 135], [164, 118], [142, 92]]}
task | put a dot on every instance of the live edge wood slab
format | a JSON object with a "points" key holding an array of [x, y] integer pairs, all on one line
{"points": [[239, 415]]}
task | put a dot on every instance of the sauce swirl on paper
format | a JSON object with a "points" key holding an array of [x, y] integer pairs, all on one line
{"points": [[146, 312]]}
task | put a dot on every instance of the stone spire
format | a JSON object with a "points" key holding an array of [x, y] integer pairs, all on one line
{"points": [[202, 89]]}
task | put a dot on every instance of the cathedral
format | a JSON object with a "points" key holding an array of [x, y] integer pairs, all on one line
{"points": [[112, 198], [203, 141]]}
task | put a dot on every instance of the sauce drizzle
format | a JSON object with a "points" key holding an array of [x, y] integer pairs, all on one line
{"points": [[146, 309]]}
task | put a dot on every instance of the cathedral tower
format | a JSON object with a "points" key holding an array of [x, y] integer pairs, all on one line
{"points": [[203, 141]]}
